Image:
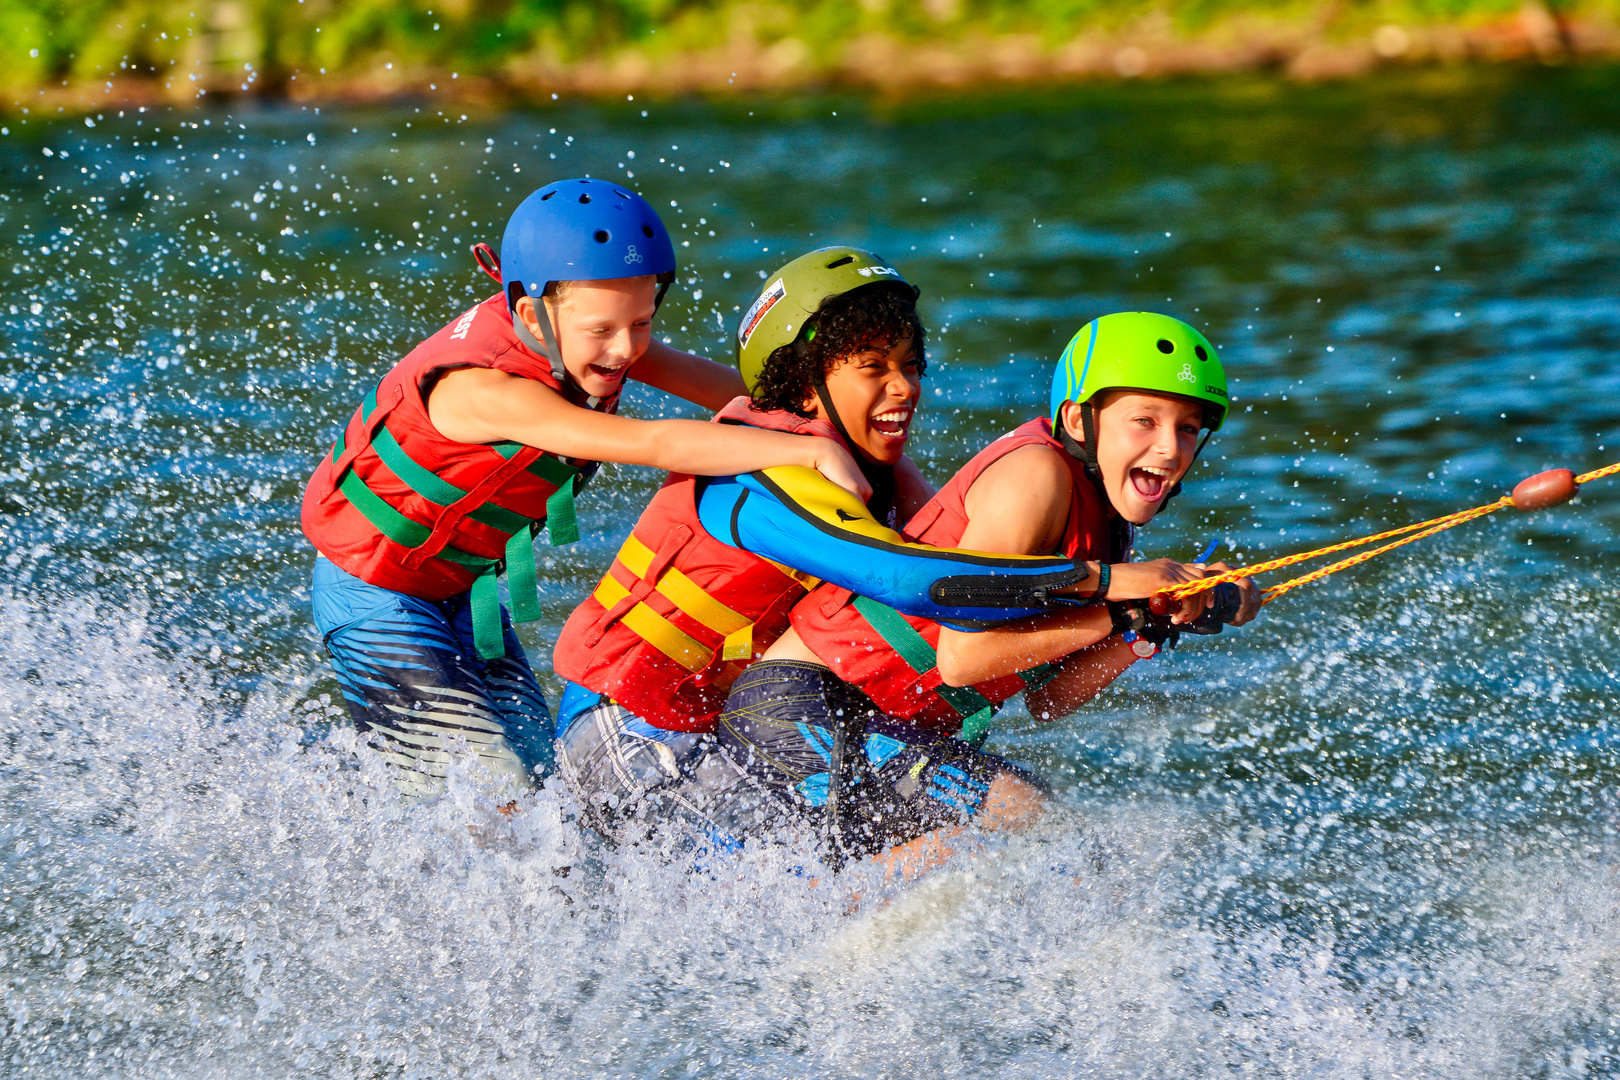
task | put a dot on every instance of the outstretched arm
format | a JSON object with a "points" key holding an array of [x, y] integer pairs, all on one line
{"points": [[481, 405], [1018, 505], [795, 517], [695, 378]]}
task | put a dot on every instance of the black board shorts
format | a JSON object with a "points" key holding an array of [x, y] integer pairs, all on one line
{"points": [[785, 723]]}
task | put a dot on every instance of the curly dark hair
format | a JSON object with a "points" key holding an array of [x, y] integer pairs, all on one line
{"points": [[876, 315]]}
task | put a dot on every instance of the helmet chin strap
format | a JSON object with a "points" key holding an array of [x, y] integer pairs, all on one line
{"points": [[1086, 452], [558, 371], [525, 335], [881, 477]]}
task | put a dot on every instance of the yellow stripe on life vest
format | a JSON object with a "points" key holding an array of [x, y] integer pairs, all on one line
{"points": [[654, 629], [683, 592]]}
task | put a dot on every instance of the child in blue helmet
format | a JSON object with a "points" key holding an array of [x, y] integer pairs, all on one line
{"points": [[476, 440]]}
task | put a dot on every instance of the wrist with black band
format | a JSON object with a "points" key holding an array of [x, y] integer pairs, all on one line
{"points": [[1103, 573], [1097, 595]]}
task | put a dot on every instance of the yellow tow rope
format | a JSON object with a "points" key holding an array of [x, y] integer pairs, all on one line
{"points": [[1561, 478]]}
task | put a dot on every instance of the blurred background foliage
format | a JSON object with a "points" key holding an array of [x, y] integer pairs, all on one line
{"points": [[262, 45]]}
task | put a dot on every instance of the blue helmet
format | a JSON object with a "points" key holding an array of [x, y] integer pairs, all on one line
{"points": [[583, 230]]}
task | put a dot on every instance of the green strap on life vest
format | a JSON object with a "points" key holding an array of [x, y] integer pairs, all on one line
{"points": [[484, 603], [975, 711], [483, 597]]}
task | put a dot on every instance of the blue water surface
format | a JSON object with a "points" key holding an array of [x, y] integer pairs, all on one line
{"points": [[1371, 835]]}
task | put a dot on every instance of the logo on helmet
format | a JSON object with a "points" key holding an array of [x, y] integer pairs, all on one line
{"points": [[868, 271], [632, 256], [751, 319], [1187, 374]]}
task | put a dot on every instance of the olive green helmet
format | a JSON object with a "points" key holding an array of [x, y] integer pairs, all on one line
{"points": [[1140, 350], [795, 292]]}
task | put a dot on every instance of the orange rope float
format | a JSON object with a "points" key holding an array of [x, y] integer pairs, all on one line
{"points": [[1535, 493]]}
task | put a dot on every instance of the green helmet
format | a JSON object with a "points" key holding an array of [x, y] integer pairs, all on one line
{"points": [[795, 293], [1140, 350]]}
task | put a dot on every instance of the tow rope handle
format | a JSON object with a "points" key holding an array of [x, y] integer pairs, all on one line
{"points": [[1539, 492]]}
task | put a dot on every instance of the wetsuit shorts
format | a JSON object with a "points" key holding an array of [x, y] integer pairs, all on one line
{"points": [[897, 781], [413, 679]]}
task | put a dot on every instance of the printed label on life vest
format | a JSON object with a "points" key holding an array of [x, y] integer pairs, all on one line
{"points": [[463, 325], [767, 300]]}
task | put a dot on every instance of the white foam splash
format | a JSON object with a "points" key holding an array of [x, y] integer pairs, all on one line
{"points": [[193, 888]]}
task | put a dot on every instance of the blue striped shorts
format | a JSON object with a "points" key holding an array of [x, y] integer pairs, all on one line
{"points": [[413, 680]]}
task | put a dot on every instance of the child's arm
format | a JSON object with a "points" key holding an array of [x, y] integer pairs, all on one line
{"points": [[1019, 506], [695, 378], [1080, 677], [481, 405], [797, 518]]}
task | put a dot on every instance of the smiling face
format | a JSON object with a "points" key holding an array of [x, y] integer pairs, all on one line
{"points": [[876, 392], [605, 326], [1145, 443]]}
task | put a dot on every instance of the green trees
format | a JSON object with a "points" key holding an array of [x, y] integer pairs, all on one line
{"points": [[267, 46]]}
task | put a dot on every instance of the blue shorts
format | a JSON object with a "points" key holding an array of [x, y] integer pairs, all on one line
{"points": [[769, 765], [413, 679], [894, 781]]}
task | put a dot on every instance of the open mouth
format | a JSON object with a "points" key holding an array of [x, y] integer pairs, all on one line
{"points": [[892, 424], [608, 374], [1150, 483]]}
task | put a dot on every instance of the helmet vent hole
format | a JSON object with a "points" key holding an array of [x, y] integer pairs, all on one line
{"points": [[1166, 345], [621, 194], [840, 262], [601, 236], [584, 198], [547, 195], [1200, 352], [646, 230]]}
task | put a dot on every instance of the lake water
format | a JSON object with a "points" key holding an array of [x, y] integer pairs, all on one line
{"points": [[1374, 834]]}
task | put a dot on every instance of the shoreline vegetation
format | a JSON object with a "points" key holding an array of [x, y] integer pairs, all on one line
{"points": [[486, 52]]}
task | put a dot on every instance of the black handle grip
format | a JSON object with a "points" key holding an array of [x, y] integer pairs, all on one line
{"points": [[1228, 602]]}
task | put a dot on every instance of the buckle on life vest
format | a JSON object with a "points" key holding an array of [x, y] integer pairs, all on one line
{"points": [[449, 517], [739, 644]]}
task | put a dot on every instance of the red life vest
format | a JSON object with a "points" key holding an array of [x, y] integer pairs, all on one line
{"points": [[892, 657], [400, 506], [679, 614]]}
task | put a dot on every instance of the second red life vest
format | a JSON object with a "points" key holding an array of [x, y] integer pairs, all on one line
{"points": [[399, 505], [679, 614], [891, 657]]}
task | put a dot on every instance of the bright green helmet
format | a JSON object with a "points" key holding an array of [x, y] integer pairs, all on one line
{"points": [[795, 292], [1140, 350]]}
